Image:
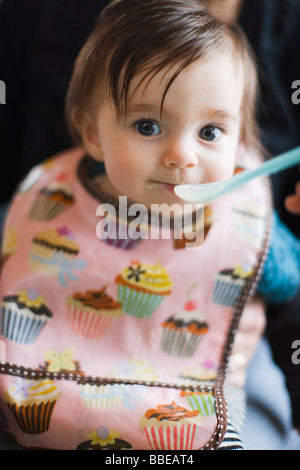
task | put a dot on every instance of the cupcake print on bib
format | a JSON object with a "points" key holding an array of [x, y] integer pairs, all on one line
{"points": [[51, 201], [31, 403], [3, 420], [53, 252], [142, 288], [10, 243], [170, 427], [182, 332], [110, 395], [249, 221], [91, 313], [23, 316], [200, 401], [206, 371], [104, 438], [229, 283]]}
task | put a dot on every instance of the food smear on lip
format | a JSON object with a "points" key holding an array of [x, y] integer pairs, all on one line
{"points": [[151, 184]]}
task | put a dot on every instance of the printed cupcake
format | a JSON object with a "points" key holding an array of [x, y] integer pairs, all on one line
{"points": [[142, 287], [170, 427], [23, 316], [51, 201], [100, 396], [53, 252], [229, 284], [206, 372], [134, 369], [3, 421], [31, 403], [182, 332], [250, 221], [104, 439], [109, 395], [10, 243], [200, 401], [121, 231], [91, 313]]}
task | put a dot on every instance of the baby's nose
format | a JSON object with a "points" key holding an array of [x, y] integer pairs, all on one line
{"points": [[179, 154]]}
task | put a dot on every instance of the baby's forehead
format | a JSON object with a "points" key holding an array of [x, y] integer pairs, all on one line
{"points": [[151, 87]]}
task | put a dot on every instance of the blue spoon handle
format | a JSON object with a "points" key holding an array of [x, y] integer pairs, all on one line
{"points": [[285, 160], [207, 192]]}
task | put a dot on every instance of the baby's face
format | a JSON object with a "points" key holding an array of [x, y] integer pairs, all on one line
{"points": [[194, 140]]}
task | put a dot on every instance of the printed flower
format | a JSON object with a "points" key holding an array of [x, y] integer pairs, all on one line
{"points": [[103, 436], [208, 364], [243, 270], [64, 231], [60, 361], [31, 298], [21, 387], [135, 272]]}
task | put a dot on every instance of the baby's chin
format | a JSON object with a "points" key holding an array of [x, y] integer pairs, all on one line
{"points": [[164, 196], [171, 209], [153, 199]]}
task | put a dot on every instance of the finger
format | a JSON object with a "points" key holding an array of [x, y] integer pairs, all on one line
{"points": [[292, 204]]}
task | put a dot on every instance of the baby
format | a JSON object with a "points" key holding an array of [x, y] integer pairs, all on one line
{"points": [[125, 339]]}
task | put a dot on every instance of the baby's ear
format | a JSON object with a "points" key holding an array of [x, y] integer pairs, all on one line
{"points": [[89, 135]]}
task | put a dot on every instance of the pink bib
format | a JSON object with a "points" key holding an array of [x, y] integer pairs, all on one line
{"points": [[119, 343]]}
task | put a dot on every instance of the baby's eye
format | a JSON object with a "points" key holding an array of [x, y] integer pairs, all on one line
{"points": [[147, 127], [210, 133]]}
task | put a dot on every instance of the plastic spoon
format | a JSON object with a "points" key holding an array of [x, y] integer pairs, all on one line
{"points": [[203, 193]]}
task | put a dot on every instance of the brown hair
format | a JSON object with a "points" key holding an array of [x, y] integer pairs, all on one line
{"points": [[134, 36]]}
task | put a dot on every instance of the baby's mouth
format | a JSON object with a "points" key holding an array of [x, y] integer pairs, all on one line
{"points": [[151, 184]]}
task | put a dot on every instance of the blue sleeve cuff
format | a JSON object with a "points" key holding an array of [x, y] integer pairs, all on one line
{"points": [[281, 276]]}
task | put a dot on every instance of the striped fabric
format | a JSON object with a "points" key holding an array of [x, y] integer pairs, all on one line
{"points": [[231, 440]]}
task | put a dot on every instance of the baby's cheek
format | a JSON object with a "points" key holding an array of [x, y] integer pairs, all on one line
{"points": [[222, 172], [115, 167], [228, 167], [121, 176]]}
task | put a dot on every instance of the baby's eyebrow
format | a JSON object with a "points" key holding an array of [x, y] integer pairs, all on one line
{"points": [[209, 114], [220, 114], [141, 107]]}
